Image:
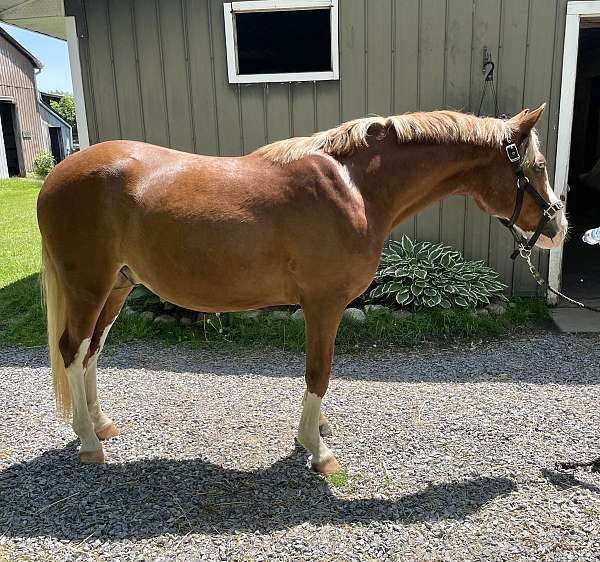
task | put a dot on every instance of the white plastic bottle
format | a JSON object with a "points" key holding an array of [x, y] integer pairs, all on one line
{"points": [[592, 236]]}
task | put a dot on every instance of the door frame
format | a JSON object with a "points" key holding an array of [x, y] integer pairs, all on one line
{"points": [[3, 159], [576, 11], [61, 148], [16, 126]]}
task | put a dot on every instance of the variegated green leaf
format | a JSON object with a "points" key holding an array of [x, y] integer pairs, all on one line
{"points": [[407, 244], [416, 289]]}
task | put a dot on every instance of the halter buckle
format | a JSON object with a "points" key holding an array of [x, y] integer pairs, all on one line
{"points": [[553, 209], [513, 152]]}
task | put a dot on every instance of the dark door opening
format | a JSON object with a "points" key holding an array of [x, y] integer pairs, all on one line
{"points": [[581, 262], [56, 144], [10, 138]]}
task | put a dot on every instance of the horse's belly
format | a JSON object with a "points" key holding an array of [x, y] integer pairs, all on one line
{"points": [[205, 279]]}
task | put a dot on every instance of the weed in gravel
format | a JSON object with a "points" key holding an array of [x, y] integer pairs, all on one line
{"points": [[387, 481], [338, 479], [355, 481]]}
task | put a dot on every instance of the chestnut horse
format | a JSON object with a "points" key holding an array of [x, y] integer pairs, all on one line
{"points": [[300, 221]]}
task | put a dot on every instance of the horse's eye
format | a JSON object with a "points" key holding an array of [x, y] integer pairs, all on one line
{"points": [[539, 166]]}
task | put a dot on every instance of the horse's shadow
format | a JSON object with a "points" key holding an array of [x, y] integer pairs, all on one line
{"points": [[53, 495], [563, 480]]}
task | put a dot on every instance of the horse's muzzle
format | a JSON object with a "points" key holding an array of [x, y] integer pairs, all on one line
{"points": [[554, 232]]}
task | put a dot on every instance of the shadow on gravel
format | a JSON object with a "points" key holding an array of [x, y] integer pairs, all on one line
{"points": [[567, 480], [53, 495], [545, 359]]}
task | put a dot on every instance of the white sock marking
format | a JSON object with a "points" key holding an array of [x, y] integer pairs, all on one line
{"points": [[99, 418], [308, 429], [82, 422]]}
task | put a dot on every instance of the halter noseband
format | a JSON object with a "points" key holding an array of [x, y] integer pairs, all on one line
{"points": [[549, 210]]}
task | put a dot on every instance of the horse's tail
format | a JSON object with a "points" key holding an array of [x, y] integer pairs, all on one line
{"points": [[54, 299]]}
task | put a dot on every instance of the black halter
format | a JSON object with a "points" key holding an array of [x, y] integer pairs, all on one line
{"points": [[549, 210], [524, 246]]}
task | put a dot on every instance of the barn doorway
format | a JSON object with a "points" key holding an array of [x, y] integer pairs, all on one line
{"points": [[56, 144], [9, 134], [581, 262]]}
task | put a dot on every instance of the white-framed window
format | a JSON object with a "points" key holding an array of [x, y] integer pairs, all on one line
{"points": [[281, 40]]}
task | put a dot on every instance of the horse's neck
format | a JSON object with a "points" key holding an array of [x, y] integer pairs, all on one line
{"points": [[399, 180]]}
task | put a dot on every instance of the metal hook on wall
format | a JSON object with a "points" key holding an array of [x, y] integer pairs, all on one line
{"points": [[488, 68]]}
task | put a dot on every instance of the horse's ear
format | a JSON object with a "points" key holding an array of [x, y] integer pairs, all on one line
{"points": [[516, 118], [526, 120]]}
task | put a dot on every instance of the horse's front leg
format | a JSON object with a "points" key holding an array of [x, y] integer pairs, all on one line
{"points": [[321, 324], [324, 425]]}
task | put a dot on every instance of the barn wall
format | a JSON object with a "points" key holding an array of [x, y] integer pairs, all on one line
{"points": [[17, 84], [156, 70], [51, 120]]}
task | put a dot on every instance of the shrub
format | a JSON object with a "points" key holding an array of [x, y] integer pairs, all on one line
{"points": [[43, 163], [65, 107], [145, 299], [427, 275]]}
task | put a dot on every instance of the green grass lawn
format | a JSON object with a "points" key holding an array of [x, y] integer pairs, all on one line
{"points": [[22, 319]]}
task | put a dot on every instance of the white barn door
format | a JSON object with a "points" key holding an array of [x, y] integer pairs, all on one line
{"points": [[3, 163], [576, 11]]}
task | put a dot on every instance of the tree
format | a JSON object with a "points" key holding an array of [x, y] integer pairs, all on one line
{"points": [[66, 109]]}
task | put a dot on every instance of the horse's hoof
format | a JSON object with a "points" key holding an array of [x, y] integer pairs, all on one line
{"points": [[111, 430], [325, 430], [92, 457], [327, 466]]}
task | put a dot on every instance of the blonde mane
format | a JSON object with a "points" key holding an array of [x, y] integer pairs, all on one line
{"points": [[436, 127]]}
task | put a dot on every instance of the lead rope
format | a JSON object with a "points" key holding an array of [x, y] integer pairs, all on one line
{"points": [[526, 255]]}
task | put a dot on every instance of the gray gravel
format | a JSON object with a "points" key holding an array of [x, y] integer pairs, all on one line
{"points": [[449, 454]]}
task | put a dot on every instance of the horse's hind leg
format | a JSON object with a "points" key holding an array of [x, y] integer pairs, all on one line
{"points": [[104, 427], [81, 317], [75, 296]]}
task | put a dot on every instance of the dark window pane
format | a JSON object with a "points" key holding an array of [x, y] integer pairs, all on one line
{"points": [[285, 41]]}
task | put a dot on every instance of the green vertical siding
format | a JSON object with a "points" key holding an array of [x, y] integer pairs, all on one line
{"points": [[458, 62], [514, 19], [432, 81], [202, 79], [485, 34], [405, 72], [125, 70], [353, 59], [156, 70], [150, 73]]}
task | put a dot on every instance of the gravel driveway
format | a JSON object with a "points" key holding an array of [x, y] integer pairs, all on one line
{"points": [[449, 453]]}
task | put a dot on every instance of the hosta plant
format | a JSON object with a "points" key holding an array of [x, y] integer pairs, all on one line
{"points": [[144, 298], [427, 275]]}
